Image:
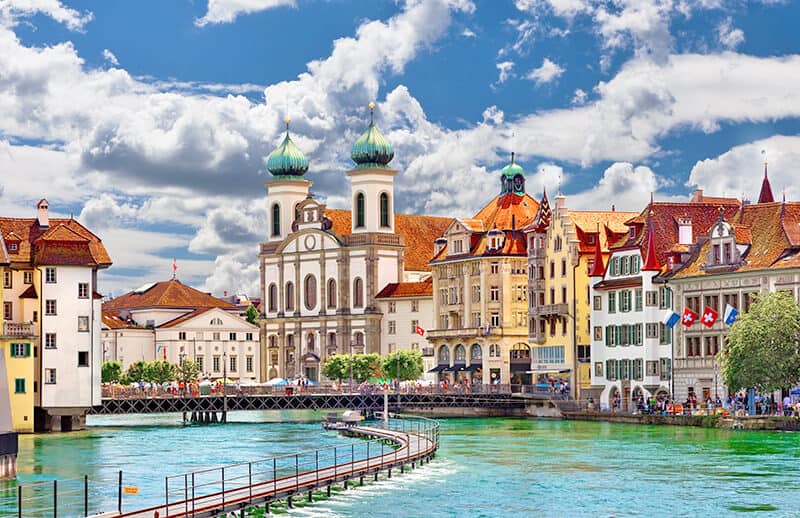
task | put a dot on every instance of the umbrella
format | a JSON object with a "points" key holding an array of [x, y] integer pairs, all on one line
{"points": [[276, 382]]}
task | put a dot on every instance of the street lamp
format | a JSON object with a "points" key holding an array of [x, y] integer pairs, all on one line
{"points": [[351, 367], [224, 382]]}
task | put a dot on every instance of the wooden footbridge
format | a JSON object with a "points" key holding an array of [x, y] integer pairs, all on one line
{"points": [[395, 444]]}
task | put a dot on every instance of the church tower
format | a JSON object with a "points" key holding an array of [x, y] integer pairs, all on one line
{"points": [[287, 189], [372, 181]]}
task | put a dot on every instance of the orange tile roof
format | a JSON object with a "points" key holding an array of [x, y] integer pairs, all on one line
{"points": [[418, 233], [183, 318], [64, 242], [611, 225], [407, 289], [113, 320], [167, 294], [508, 211]]}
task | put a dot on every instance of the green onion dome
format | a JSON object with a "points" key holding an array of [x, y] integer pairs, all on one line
{"points": [[372, 149], [512, 169], [287, 160]]}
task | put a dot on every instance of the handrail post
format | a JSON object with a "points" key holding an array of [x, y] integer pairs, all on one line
{"points": [[192, 493], [250, 482], [19, 501], [368, 455], [86, 495], [335, 463], [316, 471], [55, 498], [119, 493], [223, 484], [186, 493], [166, 496], [296, 472], [352, 457], [274, 476]]}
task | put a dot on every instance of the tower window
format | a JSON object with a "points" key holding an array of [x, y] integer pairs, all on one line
{"points": [[276, 219], [384, 209], [359, 210], [358, 293], [310, 292], [289, 296]]}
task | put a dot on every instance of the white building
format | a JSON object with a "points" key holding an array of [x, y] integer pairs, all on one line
{"points": [[171, 321], [322, 268]]}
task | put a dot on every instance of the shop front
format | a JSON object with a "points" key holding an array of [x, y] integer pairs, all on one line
{"points": [[520, 364]]}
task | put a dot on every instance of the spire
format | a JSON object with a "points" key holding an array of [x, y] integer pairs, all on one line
{"points": [[598, 269], [287, 161], [650, 256], [783, 205], [372, 149], [543, 213], [766, 189]]}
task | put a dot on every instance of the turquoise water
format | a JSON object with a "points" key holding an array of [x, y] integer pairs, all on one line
{"points": [[485, 467]]}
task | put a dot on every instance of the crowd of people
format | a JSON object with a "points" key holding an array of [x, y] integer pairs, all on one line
{"points": [[733, 404]]}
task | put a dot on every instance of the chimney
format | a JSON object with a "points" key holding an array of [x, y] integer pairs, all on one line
{"points": [[697, 196], [613, 208], [42, 216], [225, 293], [685, 231]]}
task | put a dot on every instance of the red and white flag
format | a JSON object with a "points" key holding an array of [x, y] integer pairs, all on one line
{"points": [[419, 331], [709, 317], [689, 317]]}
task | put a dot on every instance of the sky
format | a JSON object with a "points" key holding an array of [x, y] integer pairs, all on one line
{"points": [[150, 122]]}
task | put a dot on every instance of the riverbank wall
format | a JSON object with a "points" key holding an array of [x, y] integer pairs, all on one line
{"points": [[775, 423]]}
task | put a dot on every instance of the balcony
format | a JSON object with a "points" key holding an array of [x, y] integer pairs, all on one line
{"points": [[536, 253], [694, 362], [551, 309], [537, 284], [427, 352], [452, 333], [371, 239], [19, 330]]}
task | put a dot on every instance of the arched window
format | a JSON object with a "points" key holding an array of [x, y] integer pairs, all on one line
{"points": [[444, 355], [332, 340], [289, 296], [310, 289], [216, 322], [460, 354], [359, 210], [476, 353], [359, 336], [273, 297], [276, 219], [310, 342], [358, 293], [331, 293], [384, 209], [289, 341], [273, 342]]}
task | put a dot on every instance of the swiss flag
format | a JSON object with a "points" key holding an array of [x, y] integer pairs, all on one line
{"points": [[709, 317], [419, 331], [689, 317]]}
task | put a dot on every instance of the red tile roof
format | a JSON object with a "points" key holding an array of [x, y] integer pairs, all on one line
{"points": [[167, 294], [113, 320], [407, 289], [64, 242], [29, 293], [508, 211], [765, 196], [418, 233], [181, 319]]}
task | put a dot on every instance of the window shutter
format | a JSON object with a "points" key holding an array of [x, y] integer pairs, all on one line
{"points": [[27, 350]]}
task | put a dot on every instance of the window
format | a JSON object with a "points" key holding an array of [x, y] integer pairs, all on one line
{"points": [[19, 386], [552, 295], [214, 322], [13, 247], [49, 376], [563, 294], [564, 326], [27, 277], [414, 324], [563, 267], [557, 244], [614, 266], [331, 293], [597, 303], [651, 298], [248, 337], [665, 365], [248, 363], [726, 253], [49, 340], [414, 306], [651, 368], [693, 346], [359, 210], [7, 311], [651, 330], [494, 294], [636, 263], [289, 296], [392, 307], [664, 334], [494, 268], [460, 354], [549, 354], [83, 358], [276, 219], [731, 299], [611, 370], [495, 320], [476, 319], [494, 351], [272, 298], [625, 301], [637, 369], [384, 202], [35, 316], [181, 335], [7, 279], [625, 265], [584, 353], [50, 307], [83, 290], [83, 324], [232, 337], [50, 275], [310, 288], [358, 293], [232, 362], [215, 336], [638, 299], [392, 327], [458, 246], [552, 269], [444, 355], [215, 363], [711, 345], [712, 301], [693, 303], [612, 302], [598, 369], [598, 333], [664, 297], [20, 350], [748, 299]]}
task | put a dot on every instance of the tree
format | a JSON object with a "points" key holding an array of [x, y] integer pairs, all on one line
{"points": [[337, 367], [160, 371], [187, 370], [111, 371], [365, 366], [762, 350], [251, 315], [136, 372], [405, 365]]}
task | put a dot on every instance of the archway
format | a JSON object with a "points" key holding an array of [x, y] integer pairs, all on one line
{"points": [[520, 364]]}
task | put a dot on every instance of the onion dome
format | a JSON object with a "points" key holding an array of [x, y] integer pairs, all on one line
{"points": [[512, 179], [372, 149], [287, 161]]}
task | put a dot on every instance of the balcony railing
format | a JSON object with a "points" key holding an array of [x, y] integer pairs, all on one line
{"points": [[18, 329], [694, 362], [551, 309], [427, 352], [447, 333]]}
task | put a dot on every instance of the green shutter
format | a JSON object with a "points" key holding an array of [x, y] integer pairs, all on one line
{"points": [[19, 386], [27, 350]]}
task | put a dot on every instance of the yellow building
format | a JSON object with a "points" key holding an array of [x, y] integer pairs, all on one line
{"points": [[561, 253]]}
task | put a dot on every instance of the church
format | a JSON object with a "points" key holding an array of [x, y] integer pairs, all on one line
{"points": [[321, 269]]}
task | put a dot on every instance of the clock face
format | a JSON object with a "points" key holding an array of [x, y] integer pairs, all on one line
{"points": [[310, 242], [519, 183]]}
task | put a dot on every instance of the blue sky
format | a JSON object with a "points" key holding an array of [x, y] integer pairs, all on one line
{"points": [[151, 120]]}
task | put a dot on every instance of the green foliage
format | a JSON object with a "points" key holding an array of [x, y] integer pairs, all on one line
{"points": [[407, 365], [137, 371], [111, 371], [762, 350], [160, 371], [336, 367], [365, 366], [252, 314], [187, 370]]}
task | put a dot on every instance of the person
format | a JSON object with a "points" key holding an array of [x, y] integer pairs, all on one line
{"points": [[787, 405]]}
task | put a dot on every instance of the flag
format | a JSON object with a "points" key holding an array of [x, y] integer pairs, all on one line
{"points": [[689, 317], [671, 318], [730, 315], [488, 328], [419, 331], [709, 317]]}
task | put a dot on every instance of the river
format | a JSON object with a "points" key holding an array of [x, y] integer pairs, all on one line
{"points": [[485, 467]]}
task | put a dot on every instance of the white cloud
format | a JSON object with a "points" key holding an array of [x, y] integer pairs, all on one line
{"points": [[468, 33], [622, 184], [579, 97], [548, 72], [729, 36], [226, 11], [563, 8], [505, 69], [110, 57], [12, 10], [739, 171]]}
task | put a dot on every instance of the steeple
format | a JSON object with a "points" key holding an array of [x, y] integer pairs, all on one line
{"points": [[372, 150], [766, 190], [598, 269], [543, 214], [650, 257], [287, 162]]}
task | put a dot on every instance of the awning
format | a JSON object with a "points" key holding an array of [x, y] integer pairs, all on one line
{"points": [[474, 367], [549, 371], [456, 368], [439, 368]]}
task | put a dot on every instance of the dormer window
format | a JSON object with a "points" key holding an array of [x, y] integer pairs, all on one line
{"points": [[716, 253], [495, 240], [726, 253], [632, 232]]}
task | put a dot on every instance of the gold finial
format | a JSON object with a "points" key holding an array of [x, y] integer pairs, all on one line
{"points": [[371, 113], [371, 106], [287, 120]]}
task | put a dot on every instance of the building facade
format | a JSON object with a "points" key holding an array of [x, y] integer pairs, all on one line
{"points": [[480, 290], [51, 315], [321, 268]]}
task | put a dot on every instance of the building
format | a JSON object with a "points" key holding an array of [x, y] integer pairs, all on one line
{"points": [[51, 320], [480, 288], [171, 321], [407, 309], [756, 250], [321, 268], [631, 348], [562, 244]]}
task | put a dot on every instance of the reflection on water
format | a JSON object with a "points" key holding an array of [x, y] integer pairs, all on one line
{"points": [[485, 467]]}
